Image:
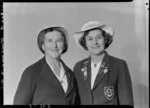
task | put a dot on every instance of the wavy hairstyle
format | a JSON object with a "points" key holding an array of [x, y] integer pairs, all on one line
{"points": [[107, 38]]}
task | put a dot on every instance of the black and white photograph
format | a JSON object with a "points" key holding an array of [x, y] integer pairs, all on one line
{"points": [[76, 53]]}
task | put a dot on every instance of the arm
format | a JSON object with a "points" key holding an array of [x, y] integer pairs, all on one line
{"points": [[124, 85], [25, 89], [77, 97]]}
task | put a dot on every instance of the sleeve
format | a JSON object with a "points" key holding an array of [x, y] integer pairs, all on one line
{"points": [[77, 97], [124, 85], [25, 89], [75, 68]]}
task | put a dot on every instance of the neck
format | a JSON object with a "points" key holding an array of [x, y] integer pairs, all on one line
{"points": [[97, 58], [53, 61]]}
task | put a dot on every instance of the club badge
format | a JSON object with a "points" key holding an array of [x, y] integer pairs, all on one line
{"points": [[104, 67], [84, 70], [109, 92], [105, 70]]}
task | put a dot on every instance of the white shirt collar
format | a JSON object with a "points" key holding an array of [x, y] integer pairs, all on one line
{"points": [[62, 71], [98, 64], [62, 78], [94, 72]]}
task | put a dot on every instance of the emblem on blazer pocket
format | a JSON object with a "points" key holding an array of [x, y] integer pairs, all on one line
{"points": [[109, 92]]}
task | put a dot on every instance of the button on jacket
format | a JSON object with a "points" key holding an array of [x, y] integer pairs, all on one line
{"points": [[39, 85], [112, 85]]}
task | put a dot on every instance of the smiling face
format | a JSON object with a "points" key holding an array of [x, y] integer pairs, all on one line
{"points": [[95, 42], [53, 45]]}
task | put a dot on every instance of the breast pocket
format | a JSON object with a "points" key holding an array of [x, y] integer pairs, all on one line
{"points": [[109, 92]]}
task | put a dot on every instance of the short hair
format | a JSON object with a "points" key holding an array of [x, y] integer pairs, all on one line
{"points": [[42, 33], [107, 38]]}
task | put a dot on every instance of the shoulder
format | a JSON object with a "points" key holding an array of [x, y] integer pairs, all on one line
{"points": [[82, 62], [33, 69], [66, 67], [119, 64], [116, 60]]}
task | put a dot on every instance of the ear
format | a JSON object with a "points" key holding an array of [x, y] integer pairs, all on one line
{"points": [[43, 48], [106, 41]]}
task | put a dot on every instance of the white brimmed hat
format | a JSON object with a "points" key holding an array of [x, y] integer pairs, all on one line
{"points": [[91, 25]]}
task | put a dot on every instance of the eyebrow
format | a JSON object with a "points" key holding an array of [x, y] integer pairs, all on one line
{"points": [[96, 35]]}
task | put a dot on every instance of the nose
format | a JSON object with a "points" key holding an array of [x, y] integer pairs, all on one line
{"points": [[95, 41], [55, 44]]}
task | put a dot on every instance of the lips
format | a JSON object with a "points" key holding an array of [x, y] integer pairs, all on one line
{"points": [[55, 50], [95, 47]]}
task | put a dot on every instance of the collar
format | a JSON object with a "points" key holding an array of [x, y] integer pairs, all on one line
{"points": [[98, 64], [105, 61], [62, 71]]}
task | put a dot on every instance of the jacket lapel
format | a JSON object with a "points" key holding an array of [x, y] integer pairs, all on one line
{"points": [[103, 71], [69, 78], [89, 73], [86, 73], [48, 74]]}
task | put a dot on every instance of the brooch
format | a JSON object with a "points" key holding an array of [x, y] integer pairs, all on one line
{"points": [[84, 70], [105, 68]]}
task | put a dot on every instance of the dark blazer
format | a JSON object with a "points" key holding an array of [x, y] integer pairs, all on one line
{"points": [[39, 85], [112, 85]]}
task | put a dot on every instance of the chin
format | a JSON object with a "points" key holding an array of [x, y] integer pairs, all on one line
{"points": [[97, 52], [54, 55]]}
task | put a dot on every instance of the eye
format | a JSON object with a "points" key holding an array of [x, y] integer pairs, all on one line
{"points": [[89, 38], [50, 40], [60, 40], [99, 37]]}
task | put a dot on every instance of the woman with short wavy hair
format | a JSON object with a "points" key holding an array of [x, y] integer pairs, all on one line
{"points": [[102, 79]]}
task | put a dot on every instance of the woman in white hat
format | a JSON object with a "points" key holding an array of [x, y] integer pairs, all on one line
{"points": [[49, 80], [102, 79]]}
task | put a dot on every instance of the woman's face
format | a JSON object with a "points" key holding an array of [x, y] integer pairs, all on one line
{"points": [[53, 44], [95, 42]]}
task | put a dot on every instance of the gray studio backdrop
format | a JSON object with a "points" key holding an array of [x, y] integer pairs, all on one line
{"points": [[23, 21]]}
